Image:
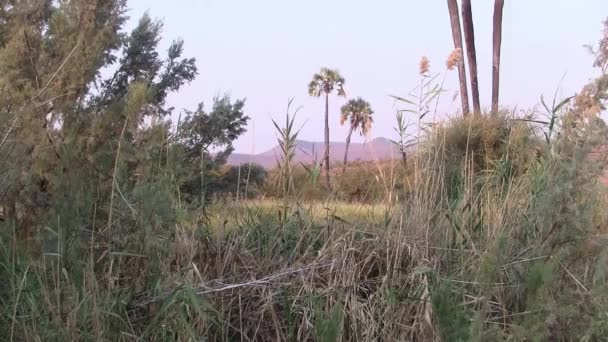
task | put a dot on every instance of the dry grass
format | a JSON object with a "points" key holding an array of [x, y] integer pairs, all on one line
{"points": [[270, 297], [225, 216]]}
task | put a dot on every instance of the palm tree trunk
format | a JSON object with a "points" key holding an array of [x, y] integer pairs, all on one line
{"points": [[350, 132], [457, 37], [497, 43], [469, 37], [327, 141]]}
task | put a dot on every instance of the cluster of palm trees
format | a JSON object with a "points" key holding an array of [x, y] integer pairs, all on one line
{"points": [[356, 112]]}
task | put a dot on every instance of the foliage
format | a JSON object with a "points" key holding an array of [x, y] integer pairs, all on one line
{"points": [[359, 115], [361, 182], [418, 103], [244, 180], [218, 128], [497, 142], [600, 52], [325, 82], [201, 131], [286, 137], [140, 63]]}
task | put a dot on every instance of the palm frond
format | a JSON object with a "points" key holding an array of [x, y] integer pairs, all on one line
{"points": [[314, 88], [325, 82], [359, 113]]}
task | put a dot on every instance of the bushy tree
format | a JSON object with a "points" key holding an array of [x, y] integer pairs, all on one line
{"points": [[51, 54], [85, 151], [200, 133], [244, 181]]}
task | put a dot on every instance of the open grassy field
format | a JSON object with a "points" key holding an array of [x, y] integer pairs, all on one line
{"points": [[226, 216]]}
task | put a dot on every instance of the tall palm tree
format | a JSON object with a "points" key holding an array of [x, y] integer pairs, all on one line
{"points": [[469, 37], [358, 113], [457, 37], [497, 43], [324, 83]]}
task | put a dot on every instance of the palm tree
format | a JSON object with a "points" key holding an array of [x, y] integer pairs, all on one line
{"points": [[469, 37], [497, 42], [457, 37], [358, 113], [324, 83]]}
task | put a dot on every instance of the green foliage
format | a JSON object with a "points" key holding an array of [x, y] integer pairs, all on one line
{"points": [[219, 128], [140, 62], [96, 193], [404, 140], [287, 136], [361, 182], [453, 319], [488, 139], [325, 82], [245, 179], [328, 327], [497, 146], [359, 115], [198, 134]]}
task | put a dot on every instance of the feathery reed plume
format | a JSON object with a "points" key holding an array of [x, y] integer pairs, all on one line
{"points": [[454, 58], [424, 65]]}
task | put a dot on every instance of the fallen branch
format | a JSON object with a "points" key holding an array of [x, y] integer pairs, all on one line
{"points": [[208, 288]]}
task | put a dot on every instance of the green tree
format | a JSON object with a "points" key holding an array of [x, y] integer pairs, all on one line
{"points": [[51, 54], [141, 63], [201, 131], [124, 128], [324, 83], [245, 180], [64, 121], [359, 115]]}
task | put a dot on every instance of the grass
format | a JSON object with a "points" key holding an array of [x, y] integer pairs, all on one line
{"points": [[486, 257], [229, 215], [491, 231]]}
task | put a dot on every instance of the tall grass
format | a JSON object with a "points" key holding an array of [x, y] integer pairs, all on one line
{"points": [[493, 247], [499, 233]]}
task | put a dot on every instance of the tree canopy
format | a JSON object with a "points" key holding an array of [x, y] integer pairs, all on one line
{"points": [[83, 100]]}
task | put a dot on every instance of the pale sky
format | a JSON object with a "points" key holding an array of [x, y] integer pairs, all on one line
{"points": [[268, 50]]}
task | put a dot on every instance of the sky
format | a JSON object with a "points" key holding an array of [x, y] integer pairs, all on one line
{"points": [[267, 51]]}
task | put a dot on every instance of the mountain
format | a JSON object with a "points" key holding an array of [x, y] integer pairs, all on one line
{"points": [[307, 151]]}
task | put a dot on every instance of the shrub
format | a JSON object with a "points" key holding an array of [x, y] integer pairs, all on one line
{"points": [[497, 145]]}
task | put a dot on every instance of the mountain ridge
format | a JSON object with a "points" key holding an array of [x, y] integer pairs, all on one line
{"points": [[309, 151]]}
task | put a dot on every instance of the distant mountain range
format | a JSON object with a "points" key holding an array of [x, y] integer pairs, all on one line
{"points": [[308, 151]]}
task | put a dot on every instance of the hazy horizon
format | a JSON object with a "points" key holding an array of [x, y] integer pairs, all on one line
{"points": [[267, 52]]}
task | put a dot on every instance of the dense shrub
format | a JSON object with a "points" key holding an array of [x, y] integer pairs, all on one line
{"points": [[360, 182], [499, 145]]}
